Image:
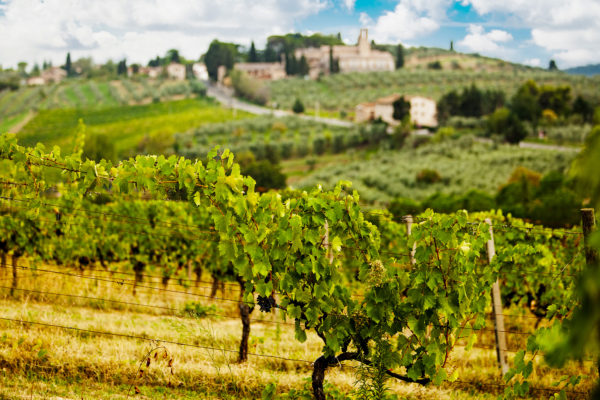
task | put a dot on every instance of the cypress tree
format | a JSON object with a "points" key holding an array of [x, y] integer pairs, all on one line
{"points": [[252, 56]]}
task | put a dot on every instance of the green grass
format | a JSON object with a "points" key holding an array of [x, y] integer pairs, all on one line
{"points": [[71, 96], [7, 123], [125, 124], [90, 98], [77, 365]]}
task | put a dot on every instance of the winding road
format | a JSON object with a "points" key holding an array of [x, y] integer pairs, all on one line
{"points": [[225, 97]]}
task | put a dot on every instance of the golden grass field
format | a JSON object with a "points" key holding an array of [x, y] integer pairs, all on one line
{"points": [[41, 362]]}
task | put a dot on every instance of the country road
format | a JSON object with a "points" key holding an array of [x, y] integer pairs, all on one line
{"points": [[529, 145], [225, 97]]}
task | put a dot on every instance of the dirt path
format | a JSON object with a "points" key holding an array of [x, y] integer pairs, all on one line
{"points": [[17, 127]]}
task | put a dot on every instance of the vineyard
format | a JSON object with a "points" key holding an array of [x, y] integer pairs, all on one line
{"points": [[274, 138], [188, 253], [388, 174], [126, 126]]}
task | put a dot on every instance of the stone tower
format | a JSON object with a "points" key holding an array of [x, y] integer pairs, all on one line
{"points": [[364, 47]]}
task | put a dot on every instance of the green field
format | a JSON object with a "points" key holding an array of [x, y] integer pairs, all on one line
{"points": [[125, 125]]}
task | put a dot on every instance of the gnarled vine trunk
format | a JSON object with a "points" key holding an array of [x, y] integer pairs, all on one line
{"points": [[138, 268], [319, 368], [214, 288], [13, 286], [3, 259], [245, 311]]}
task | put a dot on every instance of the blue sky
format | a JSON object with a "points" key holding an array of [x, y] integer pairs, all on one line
{"points": [[524, 31]]}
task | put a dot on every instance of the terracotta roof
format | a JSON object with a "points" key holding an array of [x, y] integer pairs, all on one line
{"points": [[388, 99]]}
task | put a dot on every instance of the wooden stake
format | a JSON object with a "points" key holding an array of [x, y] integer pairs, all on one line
{"points": [[326, 243], [501, 351], [409, 222]]}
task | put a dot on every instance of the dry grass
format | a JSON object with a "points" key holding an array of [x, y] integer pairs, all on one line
{"points": [[45, 362]]}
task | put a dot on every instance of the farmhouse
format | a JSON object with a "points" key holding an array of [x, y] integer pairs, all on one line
{"points": [[200, 72], [423, 110], [263, 70], [53, 75], [36, 81], [176, 71], [359, 58]]}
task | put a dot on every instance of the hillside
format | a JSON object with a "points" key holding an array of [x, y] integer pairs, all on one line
{"points": [[362, 87], [90, 94], [130, 128], [587, 70]]}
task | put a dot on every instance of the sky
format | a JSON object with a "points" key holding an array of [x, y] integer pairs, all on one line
{"points": [[525, 31]]}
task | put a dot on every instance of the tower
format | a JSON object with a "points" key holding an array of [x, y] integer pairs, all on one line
{"points": [[363, 42]]}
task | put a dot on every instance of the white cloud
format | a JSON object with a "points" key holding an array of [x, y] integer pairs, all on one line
{"points": [[349, 4], [569, 30], [32, 30], [479, 41], [409, 19], [365, 20], [533, 62]]}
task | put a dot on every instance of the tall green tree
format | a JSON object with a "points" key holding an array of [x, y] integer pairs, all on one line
{"points": [[303, 68], [552, 66], [401, 109], [583, 108], [291, 64], [173, 56], [220, 53], [36, 71], [22, 68], [334, 63], [122, 67], [252, 55], [525, 103], [399, 56], [68, 66]]}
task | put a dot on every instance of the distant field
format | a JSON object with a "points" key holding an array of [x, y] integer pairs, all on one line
{"points": [[463, 165], [345, 91], [90, 94], [126, 125]]}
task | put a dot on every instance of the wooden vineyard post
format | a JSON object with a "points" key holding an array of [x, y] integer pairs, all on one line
{"points": [[409, 222], [326, 243], [497, 308], [588, 223]]}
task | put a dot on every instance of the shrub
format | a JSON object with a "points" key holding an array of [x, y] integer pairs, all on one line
{"points": [[267, 175], [298, 107], [434, 65], [98, 147], [428, 176], [444, 133], [444, 203], [476, 200], [404, 206], [248, 88], [198, 88], [507, 124]]}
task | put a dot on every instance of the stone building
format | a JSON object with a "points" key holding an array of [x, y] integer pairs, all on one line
{"points": [[35, 81], [200, 71], [53, 75], [263, 70], [176, 71], [359, 58], [423, 110]]}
